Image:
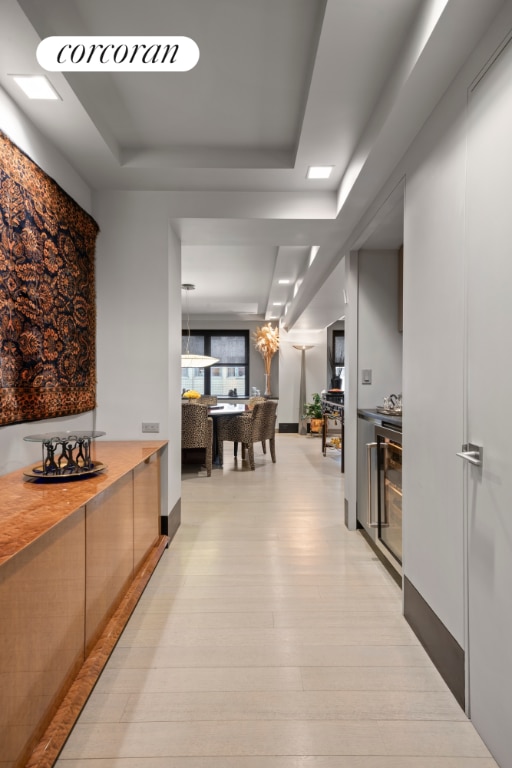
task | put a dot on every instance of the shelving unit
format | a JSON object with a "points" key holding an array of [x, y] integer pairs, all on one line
{"points": [[333, 415]]}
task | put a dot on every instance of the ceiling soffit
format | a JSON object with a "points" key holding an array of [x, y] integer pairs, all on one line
{"points": [[241, 106]]}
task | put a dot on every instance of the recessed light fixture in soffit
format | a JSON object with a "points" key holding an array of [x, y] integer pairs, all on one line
{"points": [[319, 171], [36, 86]]}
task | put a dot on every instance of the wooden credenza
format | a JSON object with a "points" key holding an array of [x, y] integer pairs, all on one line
{"points": [[74, 558]]}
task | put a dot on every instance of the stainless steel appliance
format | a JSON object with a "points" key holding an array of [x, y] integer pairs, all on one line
{"points": [[379, 484], [389, 469]]}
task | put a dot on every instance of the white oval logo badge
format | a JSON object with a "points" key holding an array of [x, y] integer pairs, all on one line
{"points": [[117, 54]]}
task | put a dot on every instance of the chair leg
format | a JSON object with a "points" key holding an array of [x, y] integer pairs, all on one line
{"points": [[209, 453], [243, 451], [251, 455], [220, 448], [264, 446], [235, 450], [272, 443]]}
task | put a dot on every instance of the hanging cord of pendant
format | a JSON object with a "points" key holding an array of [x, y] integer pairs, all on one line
{"points": [[187, 287]]}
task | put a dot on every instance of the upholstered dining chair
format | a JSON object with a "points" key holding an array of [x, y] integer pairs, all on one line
{"points": [[197, 431], [252, 402], [255, 399], [248, 428], [207, 400]]}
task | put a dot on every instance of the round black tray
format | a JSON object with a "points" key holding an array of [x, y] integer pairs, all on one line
{"points": [[37, 472]]}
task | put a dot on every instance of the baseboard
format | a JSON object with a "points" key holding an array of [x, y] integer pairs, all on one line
{"points": [[292, 427], [193, 455], [439, 643], [380, 554], [170, 523]]}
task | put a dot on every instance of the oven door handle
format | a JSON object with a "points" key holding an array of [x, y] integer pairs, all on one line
{"points": [[369, 446]]}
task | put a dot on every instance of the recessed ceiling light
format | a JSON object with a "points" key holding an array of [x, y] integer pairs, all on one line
{"points": [[36, 86], [284, 282], [277, 303], [319, 171]]}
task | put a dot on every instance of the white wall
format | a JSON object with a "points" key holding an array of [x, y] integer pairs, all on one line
{"points": [[433, 363], [290, 370], [372, 340], [15, 124], [174, 369], [14, 452], [351, 387], [434, 301], [379, 340], [139, 321], [138, 278], [434, 231]]}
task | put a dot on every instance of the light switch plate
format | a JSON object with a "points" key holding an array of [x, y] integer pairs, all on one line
{"points": [[366, 376]]}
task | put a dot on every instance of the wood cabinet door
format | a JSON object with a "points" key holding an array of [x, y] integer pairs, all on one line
{"points": [[109, 554], [146, 508]]}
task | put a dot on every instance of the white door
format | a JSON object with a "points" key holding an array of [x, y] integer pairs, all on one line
{"points": [[488, 494]]}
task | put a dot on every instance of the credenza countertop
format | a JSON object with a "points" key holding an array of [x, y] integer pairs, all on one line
{"points": [[31, 507]]}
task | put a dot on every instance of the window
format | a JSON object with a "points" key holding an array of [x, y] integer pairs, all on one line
{"points": [[227, 378]]}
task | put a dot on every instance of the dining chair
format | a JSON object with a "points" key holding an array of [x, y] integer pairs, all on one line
{"points": [[252, 402], [197, 431], [250, 427], [255, 399], [207, 400]]}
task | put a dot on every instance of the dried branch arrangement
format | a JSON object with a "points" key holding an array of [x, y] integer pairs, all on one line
{"points": [[266, 341]]}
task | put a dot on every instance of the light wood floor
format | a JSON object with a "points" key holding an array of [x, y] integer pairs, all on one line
{"points": [[271, 637]]}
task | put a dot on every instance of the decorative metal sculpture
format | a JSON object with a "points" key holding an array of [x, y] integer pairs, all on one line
{"points": [[74, 458]]}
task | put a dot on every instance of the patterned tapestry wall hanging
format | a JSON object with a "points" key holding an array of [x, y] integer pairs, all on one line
{"points": [[47, 295]]}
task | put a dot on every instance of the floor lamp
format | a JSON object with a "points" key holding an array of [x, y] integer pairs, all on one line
{"points": [[302, 389]]}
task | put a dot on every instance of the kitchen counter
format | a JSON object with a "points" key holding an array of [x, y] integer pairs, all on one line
{"points": [[381, 419]]}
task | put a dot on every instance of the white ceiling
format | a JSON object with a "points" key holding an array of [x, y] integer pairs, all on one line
{"points": [[280, 85]]}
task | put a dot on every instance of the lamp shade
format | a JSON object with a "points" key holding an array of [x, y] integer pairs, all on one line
{"points": [[197, 361], [188, 360]]}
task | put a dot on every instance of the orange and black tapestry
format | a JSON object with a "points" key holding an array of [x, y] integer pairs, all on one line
{"points": [[47, 295]]}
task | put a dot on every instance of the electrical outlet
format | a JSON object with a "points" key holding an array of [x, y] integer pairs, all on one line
{"points": [[150, 426]]}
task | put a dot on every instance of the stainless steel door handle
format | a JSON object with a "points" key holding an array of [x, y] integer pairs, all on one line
{"points": [[472, 453], [371, 523]]}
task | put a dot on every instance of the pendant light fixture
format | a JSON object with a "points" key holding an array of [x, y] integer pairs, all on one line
{"points": [[189, 360]]}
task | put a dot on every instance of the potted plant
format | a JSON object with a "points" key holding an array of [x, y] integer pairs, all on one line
{"points": [[313, 411]]}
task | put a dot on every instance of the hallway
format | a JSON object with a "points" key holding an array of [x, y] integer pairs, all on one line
{"points": [[270, 637]]}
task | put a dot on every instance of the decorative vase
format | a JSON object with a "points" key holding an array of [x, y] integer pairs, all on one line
{"points": [[268, 393]]}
